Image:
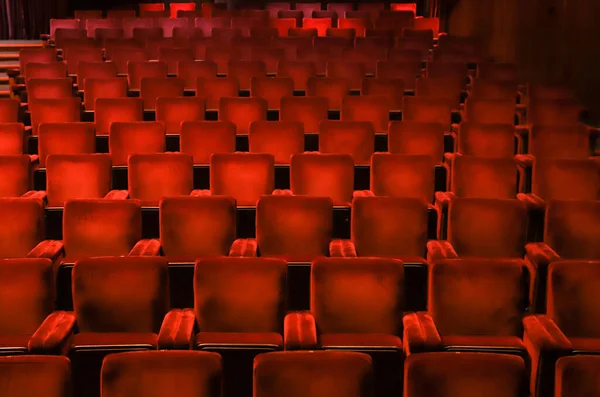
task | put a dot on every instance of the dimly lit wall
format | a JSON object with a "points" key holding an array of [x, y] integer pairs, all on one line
{"points": [[551, 40]]}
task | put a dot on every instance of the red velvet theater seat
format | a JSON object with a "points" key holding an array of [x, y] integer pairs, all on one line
{"points": [[334, 89], [316, 374], [137, 70], [570, 325], [15, 176], [304, 32], [355, 138], [405, 71], [45, 71], [123, 56], [191, 71], [221, 51], [121, 304], [354, 72], [577, 376], [562, 179], [152, 373], [375, 109], [272, 89], [322, 175], [72, 56], [397, 175], [557, 141], [447, 68], [359, 25], [30, 322], [427, 110], [22, 231], [242, 112], [38, 88], [490, 111], [152, 88], [392, 89], [484, 140], [417, 138], [367, 56], [152, 177], [366, 319], [493, 89], [295, 228], [35, 376], [213, 89], [129, 138], [245, 71], [113, 87], [175, 111], [387, 227], [497, 71], [449, 374], [9, 110], [35, 55], [473, 305], [79, 176], [243, 176], [110, 110], [196, 227], [553, 112], [570, 233], [282, 139], [482, 228], [62, 110], [172, 56], [201, 139], [14, 139], [448, 88], [299, 71], [308, 110]]}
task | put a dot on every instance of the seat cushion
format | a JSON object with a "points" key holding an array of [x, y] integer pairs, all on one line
{"points": [[14, 344], [589, 345], [106, 339], [360, 341], [477, 343], [262, 340]]}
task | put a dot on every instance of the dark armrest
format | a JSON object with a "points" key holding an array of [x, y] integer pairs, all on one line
{"points": [[524, 160], [545, 344], [12, 73], [439, 250], [442, 199], [540, 254], [363, 193], [200, 193], [244, 248], [339, 248], [177, 330], [299, 331], [35, 194], [52, 337], [449, 157], [117, 195], [533, 202], [34, 159], [420, 334], [282, 192], [146, 248], [49, 249]]}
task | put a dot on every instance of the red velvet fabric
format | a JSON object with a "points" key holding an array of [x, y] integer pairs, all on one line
{"points": [[293, 225], [101, 227], [553, 112], [491, 88], [191, 71], [77, 176], [245, 71], [334, 89], [240, 295], [487, 228], [9, 110], [120, 295], [15, 170], [451, 374], [49, 88], [406, 71], [53, 111], [22, 227], [243, 176], [448, 88], [484, 177], [577, 376], [486, 140], [194, 227], [282, 139], [213, 89], [375, 308], [557, 141], [392, 89], [319, 374], [242, 112], [299, 71], [153, 374], [417, 138], [353, 72], [136, 70], [402, 176], [343, 137], [308, 110], [389, 227], [110, 110], [493, 111], [373, 109], [272, 89], [323, 175], [203, 138], [564, 179], [65, 138], [571, 229], [175, 111], [24, 376], [427, 110], [152, 177], [98, 86]]}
